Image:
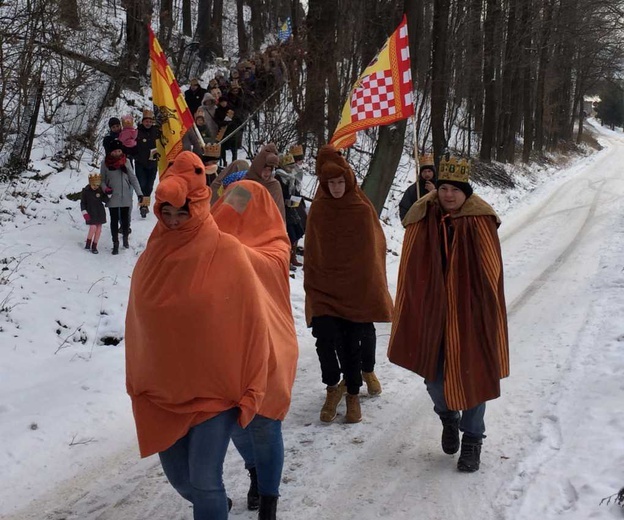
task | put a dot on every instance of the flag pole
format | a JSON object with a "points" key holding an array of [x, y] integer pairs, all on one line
{"points": [[416, 156]]}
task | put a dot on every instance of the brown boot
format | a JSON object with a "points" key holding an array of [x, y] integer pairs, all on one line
{"points": [[354, 412], [372, 383], [334, 396]]}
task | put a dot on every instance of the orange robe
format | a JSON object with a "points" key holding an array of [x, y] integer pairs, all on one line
{"points": [[197, 329], [256, 222]]}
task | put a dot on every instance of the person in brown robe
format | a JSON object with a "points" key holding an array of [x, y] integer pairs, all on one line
{"points": [[450, 323], [345, 283]]}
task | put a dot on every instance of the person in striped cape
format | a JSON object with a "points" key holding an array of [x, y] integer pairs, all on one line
{"points": [[450, 322]]}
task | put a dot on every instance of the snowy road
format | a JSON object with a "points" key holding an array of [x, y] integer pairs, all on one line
{"points": [[555, 445]]}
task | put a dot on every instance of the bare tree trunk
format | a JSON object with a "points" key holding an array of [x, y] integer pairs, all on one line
{"points": [[385, 161], [68, 13], [527, 81], [166, 23], [489, 79], [187, 23], [203, 31], [217, 27], [138, 16], [439, 74], [243, 42], [541, 73]]}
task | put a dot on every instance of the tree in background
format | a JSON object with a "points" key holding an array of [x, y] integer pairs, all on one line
{"points": [[610, 109]]}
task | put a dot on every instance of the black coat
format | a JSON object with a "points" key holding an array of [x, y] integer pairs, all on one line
{"points": [[93, 202], [146, 142], [194, 99], [409, 197]]}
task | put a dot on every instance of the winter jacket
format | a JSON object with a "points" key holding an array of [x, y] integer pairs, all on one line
{"points": [[121, 183], [93, 201], [194, 99], [146, 142]]}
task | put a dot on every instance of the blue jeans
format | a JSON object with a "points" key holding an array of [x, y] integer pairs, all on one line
{"points": [[194, 465], [262, 447], [471, 422]]}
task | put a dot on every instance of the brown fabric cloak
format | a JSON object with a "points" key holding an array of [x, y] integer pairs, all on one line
{"points": [[268, 155], [345, 250], [463, 311], [216, 186]]}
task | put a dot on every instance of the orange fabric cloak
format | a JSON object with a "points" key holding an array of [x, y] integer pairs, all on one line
{"points": [[247, 212], [197, 335]]}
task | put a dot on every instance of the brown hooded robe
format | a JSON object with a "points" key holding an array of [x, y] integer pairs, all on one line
{"points": [[462, 310], [345, 250]]}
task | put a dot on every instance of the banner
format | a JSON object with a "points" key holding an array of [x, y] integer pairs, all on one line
{"points": [[383, 93], [285, 31], [172, 114]]}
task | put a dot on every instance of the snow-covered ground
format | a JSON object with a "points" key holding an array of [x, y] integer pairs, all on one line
{"points": [[555, 443]]}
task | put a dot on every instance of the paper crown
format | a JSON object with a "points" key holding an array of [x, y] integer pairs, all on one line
{"points": [[296, 150], [426, 159], [148, 114], [212, 150], [95, 178], [286, 160], [454, 169]]}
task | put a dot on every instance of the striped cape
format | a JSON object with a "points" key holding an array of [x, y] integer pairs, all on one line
{"points": [[463, 311]]}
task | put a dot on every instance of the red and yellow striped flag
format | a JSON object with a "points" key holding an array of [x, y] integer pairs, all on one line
{"points": [[172, 113], [382, 94]]}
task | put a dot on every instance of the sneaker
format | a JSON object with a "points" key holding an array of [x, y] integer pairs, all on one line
{"points": [[372, 383], [450, 436], [354, 411], [470, 456], [332, 400]]}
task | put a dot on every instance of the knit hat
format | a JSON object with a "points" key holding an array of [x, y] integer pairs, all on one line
{"points": [[113, 145], [113, 121], [455, 172]]}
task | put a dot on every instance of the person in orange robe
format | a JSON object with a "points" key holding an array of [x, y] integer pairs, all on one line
{"points": [[198, 341], [247, 212]]}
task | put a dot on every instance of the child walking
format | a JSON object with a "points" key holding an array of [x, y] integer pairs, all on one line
{"points": [[92, 202]]}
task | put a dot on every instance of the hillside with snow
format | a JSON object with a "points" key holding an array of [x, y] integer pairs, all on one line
{"points": [[554, 448]]}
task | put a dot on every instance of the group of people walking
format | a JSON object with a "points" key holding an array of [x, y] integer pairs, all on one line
{"points": [[211, 347]]}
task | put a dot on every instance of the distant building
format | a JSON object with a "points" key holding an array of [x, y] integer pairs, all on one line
{"points": [[589, 105]]}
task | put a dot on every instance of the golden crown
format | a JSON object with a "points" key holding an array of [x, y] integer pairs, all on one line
{"points": [[95, 178], [212, 150], [426, 159], [296, 150], [286, 160], [454, 169]]}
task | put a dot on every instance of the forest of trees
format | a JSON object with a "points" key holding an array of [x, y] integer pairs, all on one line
{"points": [[499, 79]]}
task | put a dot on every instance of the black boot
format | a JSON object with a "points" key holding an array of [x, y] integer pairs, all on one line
{"points": [[470, 456], [450, 436], [88, 244], [125, 241], [94, 248], [253, 497], [229, 502], [116, 247], [268, 508]]}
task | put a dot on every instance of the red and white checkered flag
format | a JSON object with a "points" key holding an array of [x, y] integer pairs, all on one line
{"points": [[382, 94]]}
